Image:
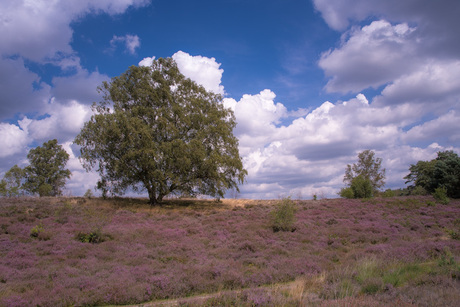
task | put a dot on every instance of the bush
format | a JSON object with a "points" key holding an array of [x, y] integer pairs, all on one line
{"points": [[38, 231], [440, 194], [92, 237], [283, 217], [45, 190], [347, 193], [418, 190], [362, 187], [35, 231], [389, 193]]}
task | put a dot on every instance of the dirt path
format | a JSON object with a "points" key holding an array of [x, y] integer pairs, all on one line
{"points": [[293, 288]]}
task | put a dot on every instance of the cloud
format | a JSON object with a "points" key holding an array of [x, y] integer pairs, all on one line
{"points": [[371, 56], [308, 155], [257, 117], [435, 82], [438, 21], [131, 42], [40, 29], [81, 86], [39, 32], [445, 127], [204, 71], [21, 90], [14, 140], [146, 62], [80, 181], [62, 122]]}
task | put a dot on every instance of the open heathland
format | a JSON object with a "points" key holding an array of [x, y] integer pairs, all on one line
{"points": [[374, 252]]}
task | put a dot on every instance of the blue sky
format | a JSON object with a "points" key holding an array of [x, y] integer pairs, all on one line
{"points": [[312, 83]]}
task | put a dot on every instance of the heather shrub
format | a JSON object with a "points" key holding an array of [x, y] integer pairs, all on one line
{"points": [[341, 248], [283, 217], [440, 194]]}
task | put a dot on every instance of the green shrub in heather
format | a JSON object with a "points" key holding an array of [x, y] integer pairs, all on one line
{"points": [[283, 217], [440, 194], [389, 193], [347, 193], [362, 187]]}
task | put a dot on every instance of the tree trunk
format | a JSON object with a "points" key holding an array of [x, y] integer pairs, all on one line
{"points": [[152, 197]]}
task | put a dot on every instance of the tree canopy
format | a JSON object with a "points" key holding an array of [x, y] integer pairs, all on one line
{"points": [[158, 131], [441, 172], [11, 184], [365, 177], [46, 174]]}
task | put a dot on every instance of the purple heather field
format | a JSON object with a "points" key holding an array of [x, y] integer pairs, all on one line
{"points": [[84, 252]]}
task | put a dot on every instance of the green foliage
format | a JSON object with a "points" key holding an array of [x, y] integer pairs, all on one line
{"points": [[367, 171], [440, 194], [418, 190], [91, 237], [158, 131], [38, 231], [388, 193], [360, 187], [347, 193], [3, 189], [46, 173], [444, 171], [283, 217], [11, 184]]}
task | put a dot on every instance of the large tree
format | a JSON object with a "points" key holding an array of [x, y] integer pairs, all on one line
{"points": [[366, 175], [444, 171], [46, 174], [159, 131]]}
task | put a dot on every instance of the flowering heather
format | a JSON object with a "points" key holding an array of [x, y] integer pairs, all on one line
{"points": [[74, 251]]}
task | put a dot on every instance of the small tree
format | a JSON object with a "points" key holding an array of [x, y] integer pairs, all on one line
{"points": [[361, 187], [366, 176], [160, 132], [11, 184], [283, 217], [46, 174]]}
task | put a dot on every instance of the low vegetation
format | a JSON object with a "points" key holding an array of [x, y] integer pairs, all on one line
{"points": [[373, 252]]}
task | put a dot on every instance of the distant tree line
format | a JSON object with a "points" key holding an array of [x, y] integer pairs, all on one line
{"points": [[440, 177]]}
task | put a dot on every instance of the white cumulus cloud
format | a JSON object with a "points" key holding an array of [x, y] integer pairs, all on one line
{"points": [[14, 140], [203, 70], [370, 57]]}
